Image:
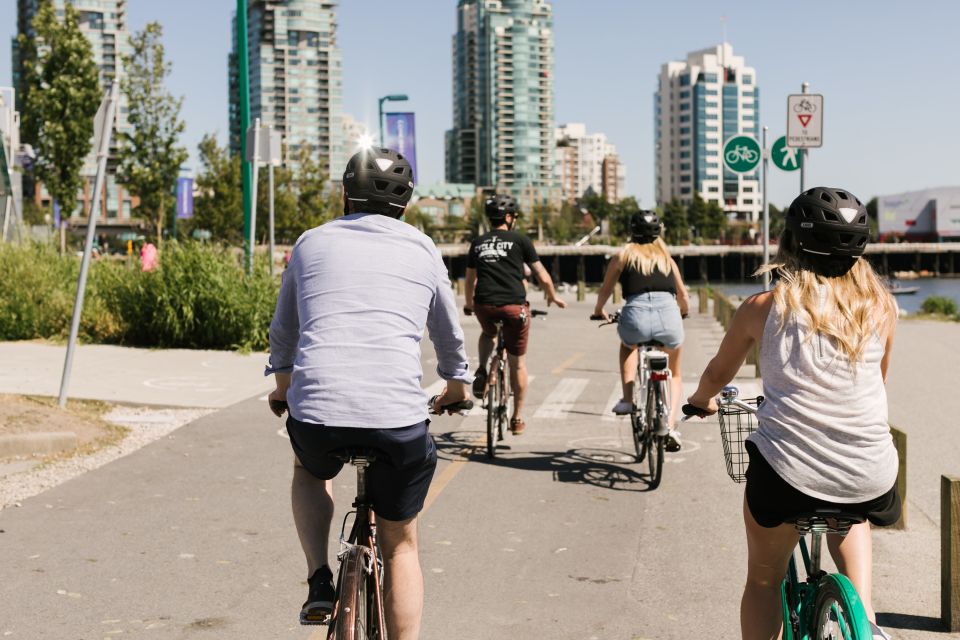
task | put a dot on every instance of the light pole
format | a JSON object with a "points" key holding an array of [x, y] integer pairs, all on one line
{"points": [[397, 97]]}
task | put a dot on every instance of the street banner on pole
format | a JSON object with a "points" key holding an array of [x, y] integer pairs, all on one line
{"points": [[784, 157], [805, 120], [184, 198], [401, 137]]}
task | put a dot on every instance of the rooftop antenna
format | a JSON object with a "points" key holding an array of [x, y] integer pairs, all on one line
{"points": [[723, 48]]}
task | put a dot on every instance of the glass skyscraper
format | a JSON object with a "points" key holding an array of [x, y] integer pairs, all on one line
{"points": [[503, 135], [699, 104], [295, 76]]}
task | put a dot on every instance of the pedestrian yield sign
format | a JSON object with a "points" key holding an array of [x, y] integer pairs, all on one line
{"points": [[784, 157]]}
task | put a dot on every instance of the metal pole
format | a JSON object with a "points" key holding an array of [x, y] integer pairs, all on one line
{"points": [[251, 239], [765, 212], [380, 119], [102, 152], [270, 170], [8, 202], [243, 84], [803, 152]]}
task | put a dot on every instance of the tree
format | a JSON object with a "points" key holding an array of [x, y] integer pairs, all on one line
{"points": [[619, 219], [287, 221], [150, 157], [676, 225], [777, 221], [219, 206], [60, 96], [697, 216], [714, 221], [317, 201]]}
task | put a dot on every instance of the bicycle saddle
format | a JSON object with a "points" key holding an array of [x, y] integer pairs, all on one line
{"points": [[656, 344], [350, 455], [827, 520]]}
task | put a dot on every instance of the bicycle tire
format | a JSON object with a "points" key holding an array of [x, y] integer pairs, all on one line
{"points": [[655, 443], [355, 614], [493, 412], [639, 436], [502, 400], [838, 613]]}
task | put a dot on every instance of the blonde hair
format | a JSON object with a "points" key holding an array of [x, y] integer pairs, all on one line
{"points": [[850, 308], [647, 257]]}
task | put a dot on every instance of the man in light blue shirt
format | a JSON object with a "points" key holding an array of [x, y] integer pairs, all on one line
{"points": [[345, 348]]}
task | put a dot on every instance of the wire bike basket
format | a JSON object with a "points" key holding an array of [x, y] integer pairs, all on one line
{"points": [[738, 420]]}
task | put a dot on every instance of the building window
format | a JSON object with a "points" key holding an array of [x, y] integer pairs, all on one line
{"points": [[685, 118], [685, 191], [685, 166], [685, 80], [748, 201], [684, 94], [747, 79], [684, 130], [685, 106], [684, 154], [709, 77]]}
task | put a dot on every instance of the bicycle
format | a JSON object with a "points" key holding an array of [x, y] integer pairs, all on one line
{"points": [[496, 393], [358, 612], [741, 153], [823, 606], [650, 415]]}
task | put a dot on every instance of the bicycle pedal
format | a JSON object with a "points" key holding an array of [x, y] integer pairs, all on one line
{"points": [[315, 619]]}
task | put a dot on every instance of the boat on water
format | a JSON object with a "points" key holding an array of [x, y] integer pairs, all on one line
{"points": [[898, 289]]}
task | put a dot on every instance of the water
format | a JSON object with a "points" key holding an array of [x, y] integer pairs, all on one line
{"points": [[946, 287]]}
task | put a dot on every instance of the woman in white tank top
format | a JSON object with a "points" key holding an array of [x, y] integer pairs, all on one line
{"points": [[825, 334]]}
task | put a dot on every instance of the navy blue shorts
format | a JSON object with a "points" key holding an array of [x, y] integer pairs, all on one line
{"points": [[397, 481]]}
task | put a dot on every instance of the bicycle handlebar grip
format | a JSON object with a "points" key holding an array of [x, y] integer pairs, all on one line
{"points": [[279, 406], [596, 317], [691, 411], [468, 311], [453, 407], [537, 312]]}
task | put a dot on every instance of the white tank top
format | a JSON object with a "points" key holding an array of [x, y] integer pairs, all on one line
{"points": [[823, 427]]}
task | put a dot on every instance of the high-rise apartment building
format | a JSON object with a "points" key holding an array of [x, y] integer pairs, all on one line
{"points": [[295, 76], [586, 161], [502, 133], [699, 104], [104, 23]]}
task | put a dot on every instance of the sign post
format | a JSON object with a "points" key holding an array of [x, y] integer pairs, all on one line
{"points": [[253, 157], [766, 213], [804, 125]]}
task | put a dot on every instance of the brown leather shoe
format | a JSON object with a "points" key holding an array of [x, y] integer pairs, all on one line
{"points": [[517, 425]]}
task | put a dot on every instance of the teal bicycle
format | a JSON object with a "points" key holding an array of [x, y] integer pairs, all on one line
{"points": [[821, 606]]}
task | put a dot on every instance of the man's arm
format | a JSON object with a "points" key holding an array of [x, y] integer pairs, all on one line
{"points": [[284, 335], [443, 327], [469, 286], [546, 282]]}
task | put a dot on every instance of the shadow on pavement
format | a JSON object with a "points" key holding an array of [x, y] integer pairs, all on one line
{"points": [[604, 468], [909, 621]]}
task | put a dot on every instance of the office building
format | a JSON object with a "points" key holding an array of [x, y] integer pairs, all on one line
{"points": [[295, 76], [929, 215], [104, 23], [699, 104], [502, 135], [586, 162]]}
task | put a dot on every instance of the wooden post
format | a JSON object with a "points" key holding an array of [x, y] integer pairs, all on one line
{"points": [[459, 285], [617, 293], [950, 552], [704, 299], [900, 442], [555, 269], [581, 280]]}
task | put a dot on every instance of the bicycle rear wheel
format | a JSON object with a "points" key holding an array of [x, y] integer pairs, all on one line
{"points": [[838, 613], [639, 436], [493, 411], [355, 615], [502, 395], [654, 442]]}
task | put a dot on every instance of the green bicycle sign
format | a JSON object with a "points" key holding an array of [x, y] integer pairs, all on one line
{"points": [[741, 154]]}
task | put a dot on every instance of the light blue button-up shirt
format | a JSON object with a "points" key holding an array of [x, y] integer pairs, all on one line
{"points": [[353, 304]]}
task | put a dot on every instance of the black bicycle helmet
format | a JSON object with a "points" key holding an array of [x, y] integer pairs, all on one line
{"points": [[379, 181], [501, 205], [645, 227], [829, 222]]}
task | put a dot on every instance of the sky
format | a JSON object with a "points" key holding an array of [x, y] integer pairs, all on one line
{"points": [[888, 71]]}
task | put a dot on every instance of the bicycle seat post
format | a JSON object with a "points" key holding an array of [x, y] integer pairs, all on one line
{"points": [[816, 546], [361, 463]]}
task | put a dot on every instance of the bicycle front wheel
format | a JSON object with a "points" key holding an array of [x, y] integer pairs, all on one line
{"points": [[493, 416], [838, 613], [654, 442], [355, 615]]}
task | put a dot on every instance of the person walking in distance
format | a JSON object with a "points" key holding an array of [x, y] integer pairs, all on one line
{"points": [[345, 351], [495, 291], [825, 333]]}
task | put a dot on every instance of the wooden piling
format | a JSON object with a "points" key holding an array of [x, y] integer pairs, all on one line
{"points": [[900, 442], [581, 280], [950, 552]]}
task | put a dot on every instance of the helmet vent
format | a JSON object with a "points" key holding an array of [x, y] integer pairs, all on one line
{"points": [[806, 214], [399, 156], [842, 195], [398, 170], [845, 238], [380, 185], [862, 220], [399, 190], [829, 216], [826, 197], [863, 241]]}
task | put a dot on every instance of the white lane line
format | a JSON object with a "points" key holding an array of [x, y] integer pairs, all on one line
{"points": [[607, 410], [562, 399]]}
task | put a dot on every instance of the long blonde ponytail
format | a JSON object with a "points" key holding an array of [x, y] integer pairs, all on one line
{"points": [[647, 256]]}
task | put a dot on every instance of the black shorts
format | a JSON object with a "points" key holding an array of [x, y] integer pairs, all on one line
{"points": [[397, 481], [772, 501]]}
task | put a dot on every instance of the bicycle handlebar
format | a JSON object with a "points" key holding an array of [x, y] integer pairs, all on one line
{"points": [[452, 408], [537, 312], [614, 319]]}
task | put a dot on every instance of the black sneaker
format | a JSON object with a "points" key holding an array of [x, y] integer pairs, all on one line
{"points": [[319, 604], [479, 383]]}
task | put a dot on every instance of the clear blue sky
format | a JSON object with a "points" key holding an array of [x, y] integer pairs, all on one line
{"points": [[888, 70]]}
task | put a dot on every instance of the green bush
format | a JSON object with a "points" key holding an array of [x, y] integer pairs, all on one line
{"points": [[199, 297], [939, 305]]}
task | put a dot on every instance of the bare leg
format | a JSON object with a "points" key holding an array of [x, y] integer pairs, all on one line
{"points": [[484, 349], [403, 579], [518, 382], [854, 557], [676, 384], [312, 500], [768, 552], [628, 370]]}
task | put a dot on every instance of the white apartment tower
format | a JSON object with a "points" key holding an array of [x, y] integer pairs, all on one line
{"points": [[699, 104], [580, 163]]}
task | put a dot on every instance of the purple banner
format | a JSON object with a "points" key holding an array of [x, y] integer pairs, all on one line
{"points": [[401, 137], [184, 198]]}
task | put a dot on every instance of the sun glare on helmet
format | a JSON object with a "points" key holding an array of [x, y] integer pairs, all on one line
{"points": [[364, 141]]}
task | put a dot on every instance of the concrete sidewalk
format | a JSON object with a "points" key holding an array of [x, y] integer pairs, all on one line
{"points": [[168, 377]]}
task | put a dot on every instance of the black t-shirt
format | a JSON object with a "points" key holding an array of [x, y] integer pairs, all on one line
{"points": [[498, 257], [634, 282]]}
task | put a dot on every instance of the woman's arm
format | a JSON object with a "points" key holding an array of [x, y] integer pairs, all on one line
{"points": [[609, 282], [683, 296], [745, 330], [891, 327]]}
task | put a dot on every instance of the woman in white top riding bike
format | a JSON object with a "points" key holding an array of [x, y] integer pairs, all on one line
{"points": [[656, 302], [825, 334]]}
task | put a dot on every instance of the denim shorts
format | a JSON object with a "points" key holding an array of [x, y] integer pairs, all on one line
{"points": [[651, 316]]}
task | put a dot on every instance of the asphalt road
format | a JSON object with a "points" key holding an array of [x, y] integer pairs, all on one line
{"points": [[559, 537]]}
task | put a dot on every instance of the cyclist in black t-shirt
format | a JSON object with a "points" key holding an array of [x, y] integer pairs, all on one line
{"points": [[495, 291]]}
